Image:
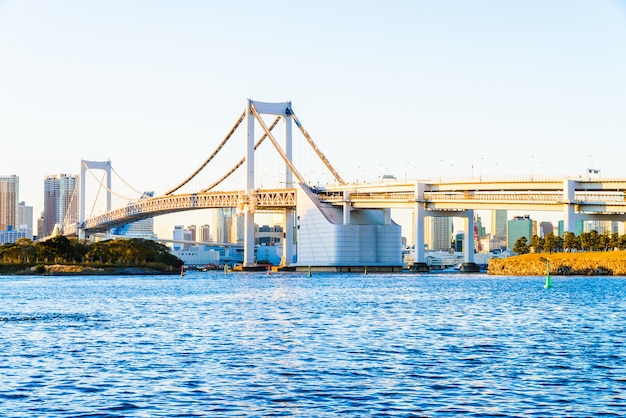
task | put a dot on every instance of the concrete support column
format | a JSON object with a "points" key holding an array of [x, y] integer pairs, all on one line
{"points": [[248, 239], [289, 214], [569, 208], [468, 251], [419, 213], [289, 225]]}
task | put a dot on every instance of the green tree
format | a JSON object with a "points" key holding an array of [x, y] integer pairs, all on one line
{"points": [[521, 246], [536, 244], [570, 242], [551, 242]]}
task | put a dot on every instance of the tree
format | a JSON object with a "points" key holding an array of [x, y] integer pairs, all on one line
{"points": [[551, 242], [536, 244], [521, 246], [570, 241]]}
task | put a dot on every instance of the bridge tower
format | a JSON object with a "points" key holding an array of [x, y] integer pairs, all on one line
{"points": [[92, 165], [282, 109]]}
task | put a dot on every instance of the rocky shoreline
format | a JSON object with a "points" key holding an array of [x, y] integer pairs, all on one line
{"points": [[609, 263], [77, 269]]}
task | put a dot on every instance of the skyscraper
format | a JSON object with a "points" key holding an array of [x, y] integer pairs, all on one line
{"points": [[9, 196], [438, 233], [498, 224], [205, 233], [221, 221], [59, 202]]}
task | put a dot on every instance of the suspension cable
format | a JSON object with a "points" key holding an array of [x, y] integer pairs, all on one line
{"points": [[219, 147], [125, 182], [315, 148], [93, 207], [240, 162], [105, 187]]}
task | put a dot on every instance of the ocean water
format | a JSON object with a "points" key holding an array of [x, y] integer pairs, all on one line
{"points": [[249, 344]]}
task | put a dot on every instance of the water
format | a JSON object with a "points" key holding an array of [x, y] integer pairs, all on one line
{"points": [[215, 344]]}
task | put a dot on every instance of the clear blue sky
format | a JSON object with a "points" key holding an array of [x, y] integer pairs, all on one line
{"points": [[409, 88]]}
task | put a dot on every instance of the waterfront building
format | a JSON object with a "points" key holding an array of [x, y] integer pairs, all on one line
{"points": [[59, 202], [9, 196], [11, 235], [268, 235], [498, 224], [519, 226]]}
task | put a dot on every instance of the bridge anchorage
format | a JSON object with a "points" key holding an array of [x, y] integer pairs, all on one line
{"points": [[348, 227]]}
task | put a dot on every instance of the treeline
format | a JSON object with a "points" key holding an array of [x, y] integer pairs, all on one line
{"points": [[587, 241], [63, 250]]}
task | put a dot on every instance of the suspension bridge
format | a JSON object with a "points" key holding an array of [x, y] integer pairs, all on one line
{"points": [[347, 225]]}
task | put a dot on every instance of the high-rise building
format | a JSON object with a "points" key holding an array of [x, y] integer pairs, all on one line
{"points": [[59, 202], [498, 224], [545, 228], [438, 233], [9, 196], [235, 229], [221, 222], [24, 215], [192, 231], [25, 219], [205, 233], [519, 226]]}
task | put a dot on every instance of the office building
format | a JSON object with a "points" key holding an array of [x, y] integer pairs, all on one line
{"points": [[9, 196], [498, 224], [205, 233], [438, 233], [519, 226], [60, 204], [221, 222]]}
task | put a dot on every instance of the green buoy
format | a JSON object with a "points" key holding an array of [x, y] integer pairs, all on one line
{"points": [[548, 283]]}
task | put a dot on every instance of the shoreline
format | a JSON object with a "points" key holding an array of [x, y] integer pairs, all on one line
{"points": [[605, 263]]}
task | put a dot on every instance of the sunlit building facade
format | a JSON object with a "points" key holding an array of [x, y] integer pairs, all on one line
{"points": [[59, 202]]}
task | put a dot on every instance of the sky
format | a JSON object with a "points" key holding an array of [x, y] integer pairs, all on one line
{"points": [[414, 89]]}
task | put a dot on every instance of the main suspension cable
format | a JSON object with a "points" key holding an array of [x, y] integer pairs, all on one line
{"points": [[219, 147], [240, 162]]}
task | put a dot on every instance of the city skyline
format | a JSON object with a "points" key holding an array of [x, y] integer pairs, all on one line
{"points": [[426, 90]]}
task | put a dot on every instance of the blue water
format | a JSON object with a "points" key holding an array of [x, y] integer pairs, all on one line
{"points": [[215, 344]]}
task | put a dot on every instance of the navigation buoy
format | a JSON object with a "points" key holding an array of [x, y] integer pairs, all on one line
{"points": [[269, 269], [225, 268], [309, 275], [548, 284], [365, 271]]}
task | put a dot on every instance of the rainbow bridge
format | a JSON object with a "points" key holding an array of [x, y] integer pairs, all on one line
{"points": [[349, 225]]}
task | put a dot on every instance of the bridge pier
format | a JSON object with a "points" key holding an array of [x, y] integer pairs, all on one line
{"points": [[569, 208]]}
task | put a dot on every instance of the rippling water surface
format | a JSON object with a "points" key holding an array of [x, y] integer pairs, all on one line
{"points": [[215, 344]]}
